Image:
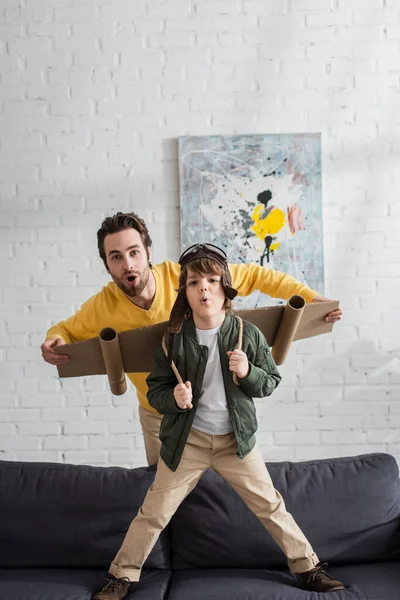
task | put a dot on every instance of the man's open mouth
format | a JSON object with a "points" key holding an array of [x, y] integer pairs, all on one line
{"points": [[131, 278]]}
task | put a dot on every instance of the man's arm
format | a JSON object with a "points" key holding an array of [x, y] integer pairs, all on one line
{"points": [[50, 355], [333, 316], [249, 277], [77, 328]]}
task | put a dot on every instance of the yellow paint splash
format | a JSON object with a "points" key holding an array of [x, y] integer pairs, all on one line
{"points": [[270, 225]]}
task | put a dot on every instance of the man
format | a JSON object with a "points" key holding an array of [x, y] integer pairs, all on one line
{"points": [[142, 294]]}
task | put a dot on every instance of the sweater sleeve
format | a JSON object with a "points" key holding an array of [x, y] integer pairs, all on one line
{"points": [[249, 277], [79, 327]]}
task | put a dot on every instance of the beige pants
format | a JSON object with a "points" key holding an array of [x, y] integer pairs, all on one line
{"points": [[150, 423], [250, 479]]}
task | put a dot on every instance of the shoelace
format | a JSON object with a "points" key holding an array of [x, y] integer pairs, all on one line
{"points": [[320, 573], [113, 585]]}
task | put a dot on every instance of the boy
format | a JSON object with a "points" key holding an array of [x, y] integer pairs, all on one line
{"points": [[220, 363]]}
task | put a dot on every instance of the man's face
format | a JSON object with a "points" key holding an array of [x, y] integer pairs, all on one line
{"points": [[205, 294], [128, 261]]}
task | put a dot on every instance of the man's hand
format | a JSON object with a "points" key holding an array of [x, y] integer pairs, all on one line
{"points": [[183, 395], [50, 356], [238, 363], [333, 316]]}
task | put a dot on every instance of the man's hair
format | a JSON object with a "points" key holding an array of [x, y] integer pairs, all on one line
{"points": [[119, 222], [203, 266]]}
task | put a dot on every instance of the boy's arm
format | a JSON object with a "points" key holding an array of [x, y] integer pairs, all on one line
{"points": [[263, 376], [162, 382]]}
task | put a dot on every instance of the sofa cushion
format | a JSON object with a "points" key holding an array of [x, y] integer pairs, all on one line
{"points": [[74, 584], [347, 507], [56, 515], [363, 582]]}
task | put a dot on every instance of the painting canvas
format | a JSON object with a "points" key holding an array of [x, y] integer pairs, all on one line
{"points": [[259, 198]]}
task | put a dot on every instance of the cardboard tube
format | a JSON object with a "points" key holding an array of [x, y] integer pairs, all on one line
{"points": [[287, 328], [111, 352], [137, 346]]}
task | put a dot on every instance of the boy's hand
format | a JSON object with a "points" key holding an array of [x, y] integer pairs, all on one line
{"points": [[238, 363], [183, 395]]}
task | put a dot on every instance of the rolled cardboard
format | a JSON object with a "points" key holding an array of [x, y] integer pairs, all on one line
{"points": [[287, 328], [109, 345], [137, 346]]}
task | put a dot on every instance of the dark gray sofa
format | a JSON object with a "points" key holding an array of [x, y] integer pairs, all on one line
{"points": [[60, 526]]}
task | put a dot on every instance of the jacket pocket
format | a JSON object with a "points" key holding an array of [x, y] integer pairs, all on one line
{"points": [[270, 361], [170, 429], [238, 424], [248, 419]]}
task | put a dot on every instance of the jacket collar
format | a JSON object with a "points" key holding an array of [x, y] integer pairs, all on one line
{"points": [[190, 328]]}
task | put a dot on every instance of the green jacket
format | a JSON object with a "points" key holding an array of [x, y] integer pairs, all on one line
{"points": [[191, 359]]}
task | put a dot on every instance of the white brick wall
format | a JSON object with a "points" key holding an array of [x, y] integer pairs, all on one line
{"points": [[92, 98]]}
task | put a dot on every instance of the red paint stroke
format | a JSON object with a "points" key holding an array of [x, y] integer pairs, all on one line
{"points": [[295, 219]]}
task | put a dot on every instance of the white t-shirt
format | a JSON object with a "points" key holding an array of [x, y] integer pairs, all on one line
{"points": [[212, 411]]}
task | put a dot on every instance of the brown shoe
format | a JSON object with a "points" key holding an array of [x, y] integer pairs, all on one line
{"points": [[318, 580], [115, 589]]}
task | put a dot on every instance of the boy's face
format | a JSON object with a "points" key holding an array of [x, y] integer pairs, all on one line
{"points": [[205, 294]]}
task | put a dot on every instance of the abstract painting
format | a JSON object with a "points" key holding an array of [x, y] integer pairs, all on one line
{"points": [[259, 198]]}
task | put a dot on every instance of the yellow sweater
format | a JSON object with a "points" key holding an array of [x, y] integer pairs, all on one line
{"points": [[111, 308]]}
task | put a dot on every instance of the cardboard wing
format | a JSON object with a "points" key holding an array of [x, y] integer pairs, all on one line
{"points": [[116, 353]]}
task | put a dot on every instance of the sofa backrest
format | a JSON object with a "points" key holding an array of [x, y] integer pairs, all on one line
{"points": [[55, 515], [347, 507]]}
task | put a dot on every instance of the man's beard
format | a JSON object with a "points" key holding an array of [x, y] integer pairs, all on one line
{"points": [[137, 288]]}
